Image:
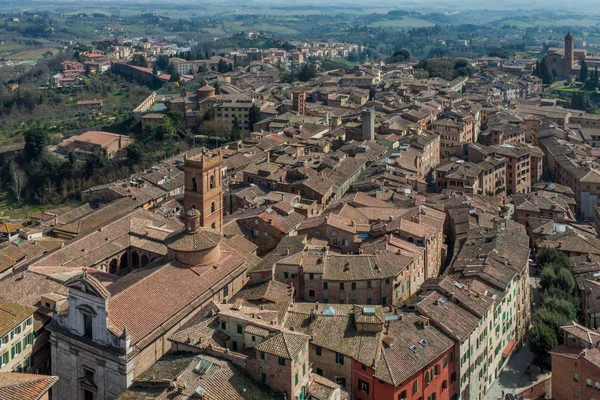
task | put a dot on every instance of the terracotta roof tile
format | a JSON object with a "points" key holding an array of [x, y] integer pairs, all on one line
{"points": [[285, 345], [12, 314], [17, 386]]}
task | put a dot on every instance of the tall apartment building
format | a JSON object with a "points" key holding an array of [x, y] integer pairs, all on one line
{"points": [[464, 316], [493, 263], [523, 164], [228, 108], [455, 132], [16, 337]]}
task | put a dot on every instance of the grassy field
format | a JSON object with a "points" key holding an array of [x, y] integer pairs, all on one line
{"points": [[235, 26], [10, 209], [546, 22], [569, 89], [32, 54], [403, 23], [10, 47]]}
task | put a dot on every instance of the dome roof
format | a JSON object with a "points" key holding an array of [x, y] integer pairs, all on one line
{"points": [[192, 212], [201, 240], [205, 88]]}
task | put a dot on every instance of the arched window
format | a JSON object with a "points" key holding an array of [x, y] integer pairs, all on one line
{"points": [[214, 226], [317, 233], [112, 267], [194, 185], [212, 182], [411, 240], [334, 236], [212, 207], [135, 259]]}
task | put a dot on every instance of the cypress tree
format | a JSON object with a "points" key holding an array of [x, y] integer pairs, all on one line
{"points": [[545, 73], [583, 71], [596, 83]]}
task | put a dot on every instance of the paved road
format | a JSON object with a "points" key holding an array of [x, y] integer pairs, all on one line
{"points": [[513, 378]]}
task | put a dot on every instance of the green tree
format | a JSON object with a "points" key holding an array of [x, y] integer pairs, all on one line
{"points": [[541, 339], [36, 140], [254, 115], [400, 56], [236, 131], [560, 306], [176, 116], [135, 154], [595, 80], [307, 72], [162, 62], [546, 316], [583, 71], [578, 100], [545, 73], [548, 276], [139, 60], [550, 255], [172, 70], [498, 52]]}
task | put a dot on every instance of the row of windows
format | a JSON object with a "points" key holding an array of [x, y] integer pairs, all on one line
{"points": [[368, 302], [16, 349], [17, 330], [353, 284]]}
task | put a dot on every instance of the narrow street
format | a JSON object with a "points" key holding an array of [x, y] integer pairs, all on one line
{"points": [[513, 378]]}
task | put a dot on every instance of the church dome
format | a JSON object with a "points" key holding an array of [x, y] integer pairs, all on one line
{"points": [[201, 247], [192, 212], [202, 239], [205, 92]]}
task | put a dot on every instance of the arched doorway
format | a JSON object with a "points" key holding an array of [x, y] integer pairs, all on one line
{"points": [[145, 260], [112, 267], [124, 262], [135, 259]]}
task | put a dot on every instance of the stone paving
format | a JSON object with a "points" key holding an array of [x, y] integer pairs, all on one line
{"points": [[513, 377]]}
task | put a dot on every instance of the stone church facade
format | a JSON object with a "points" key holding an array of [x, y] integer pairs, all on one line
{"points": [[565, 63], [116, 326]]}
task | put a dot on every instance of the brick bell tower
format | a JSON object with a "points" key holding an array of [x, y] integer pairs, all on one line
{"points": [[203, 188], [569, 53]]}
